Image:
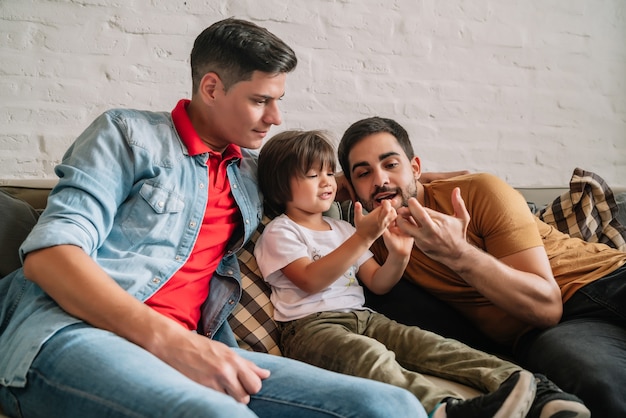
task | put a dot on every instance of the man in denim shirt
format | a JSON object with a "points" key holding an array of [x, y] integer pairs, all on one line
{"points": [[136, 252]]}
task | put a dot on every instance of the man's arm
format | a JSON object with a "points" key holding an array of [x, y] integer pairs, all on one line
{"points": [[84, 290], [521, 284]]}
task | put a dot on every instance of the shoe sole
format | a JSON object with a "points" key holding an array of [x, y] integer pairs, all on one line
{"points": [[519, 401], [560, 408]]}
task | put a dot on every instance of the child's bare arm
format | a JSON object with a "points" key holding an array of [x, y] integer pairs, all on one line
{"points": [[313, 276], [380, 279]]}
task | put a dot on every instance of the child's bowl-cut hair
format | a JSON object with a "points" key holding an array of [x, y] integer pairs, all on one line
{"points": [[287, 155]]}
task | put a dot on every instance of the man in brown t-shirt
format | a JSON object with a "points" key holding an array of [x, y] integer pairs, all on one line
{"points": [[558, 301]]}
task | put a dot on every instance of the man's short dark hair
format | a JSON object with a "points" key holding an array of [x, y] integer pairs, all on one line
{"points": [[289, 154], [366, 127], [234, 49]]}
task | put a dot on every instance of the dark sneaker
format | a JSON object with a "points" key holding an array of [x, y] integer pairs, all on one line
{"points": [[552, 402], [512, 400]]}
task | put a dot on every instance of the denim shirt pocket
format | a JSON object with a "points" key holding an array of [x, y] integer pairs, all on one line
{"points": [[150, 215]]}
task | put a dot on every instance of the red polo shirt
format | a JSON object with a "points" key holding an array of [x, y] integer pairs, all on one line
{"points": [[182, 296]]}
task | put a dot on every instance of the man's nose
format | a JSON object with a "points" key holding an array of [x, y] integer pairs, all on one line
{"points": [[380, 178], [272, 114]]}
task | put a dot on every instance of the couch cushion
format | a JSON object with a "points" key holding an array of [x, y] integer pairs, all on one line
{"points": [[17, 220]]}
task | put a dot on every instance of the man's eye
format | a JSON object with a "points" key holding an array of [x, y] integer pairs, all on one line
{"points": [[363, 174]]}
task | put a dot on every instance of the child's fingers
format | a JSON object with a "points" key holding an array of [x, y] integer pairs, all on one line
{"points": [[358, 212]]}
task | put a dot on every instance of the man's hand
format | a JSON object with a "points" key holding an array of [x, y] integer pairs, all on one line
{"points": [[521, 284], [84, 290], [436, 234], [215, 365]]}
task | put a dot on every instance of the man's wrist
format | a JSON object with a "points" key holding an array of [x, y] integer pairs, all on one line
{"points": [[465, 260]]}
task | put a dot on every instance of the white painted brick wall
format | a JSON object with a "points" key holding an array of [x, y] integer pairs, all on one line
{"points": [[527, 90]]}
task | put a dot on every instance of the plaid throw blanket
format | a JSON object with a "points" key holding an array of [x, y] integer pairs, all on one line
{"points": [[588, 211]]}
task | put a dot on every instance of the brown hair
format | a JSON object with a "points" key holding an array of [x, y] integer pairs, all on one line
{"points": [[289, 154], [366, 127], [234, 49]]}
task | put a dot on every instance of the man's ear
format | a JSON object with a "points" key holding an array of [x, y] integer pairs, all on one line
{"points": [[209, 86], [416, 164]]}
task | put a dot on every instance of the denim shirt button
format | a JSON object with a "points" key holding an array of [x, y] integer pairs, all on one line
{"points": [[230, 272], [230, 302], [201, 185], [234, 186], [178, 258], [247, 221], [161, 204], [156, 280], [192, 224]]}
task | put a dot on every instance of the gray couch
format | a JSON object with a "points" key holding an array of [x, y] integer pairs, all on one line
{"points": [[20, 212], [27, 199]]}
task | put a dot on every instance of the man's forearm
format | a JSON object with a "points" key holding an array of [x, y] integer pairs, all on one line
{"points": [[85, 291], [528, 296]]}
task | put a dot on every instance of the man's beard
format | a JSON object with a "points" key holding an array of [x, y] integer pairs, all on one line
{"points": [[407, 193]]}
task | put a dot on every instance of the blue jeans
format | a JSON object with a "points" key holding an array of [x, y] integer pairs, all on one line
{"points": [[585, 353], [86, 372]]}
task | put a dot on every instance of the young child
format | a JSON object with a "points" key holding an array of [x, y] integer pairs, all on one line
{"points": [[314, 264]]}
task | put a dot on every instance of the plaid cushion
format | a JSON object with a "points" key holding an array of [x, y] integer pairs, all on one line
{"points": [[252, 320], [587, 211]]}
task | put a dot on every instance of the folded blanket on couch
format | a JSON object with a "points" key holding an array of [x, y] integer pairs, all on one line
{"points": [[587, 211]]}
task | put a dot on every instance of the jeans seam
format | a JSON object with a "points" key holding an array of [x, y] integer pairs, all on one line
{"points": [[600, 301], [298, 405], [88, 396]]}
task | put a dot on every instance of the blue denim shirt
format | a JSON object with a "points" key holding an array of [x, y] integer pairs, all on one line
{"points": [[131, 197]]}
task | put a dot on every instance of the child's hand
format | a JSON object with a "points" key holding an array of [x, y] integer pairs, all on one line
{"points": [[372, 225], [397, 241]]}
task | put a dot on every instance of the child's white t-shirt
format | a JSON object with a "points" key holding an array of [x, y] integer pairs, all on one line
{"points": [[284, 241]]}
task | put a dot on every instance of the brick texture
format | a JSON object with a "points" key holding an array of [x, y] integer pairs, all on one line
{"points": [[526, 90]]}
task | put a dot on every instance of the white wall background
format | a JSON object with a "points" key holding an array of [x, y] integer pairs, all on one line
{"points": [[527, 90]]}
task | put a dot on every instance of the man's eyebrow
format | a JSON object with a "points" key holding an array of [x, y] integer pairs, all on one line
{"points": [[386, 155], [381, 157], [268, 97], [359, 164]]}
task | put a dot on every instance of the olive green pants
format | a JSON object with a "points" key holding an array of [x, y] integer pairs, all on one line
{"points": [[368, 344]]}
